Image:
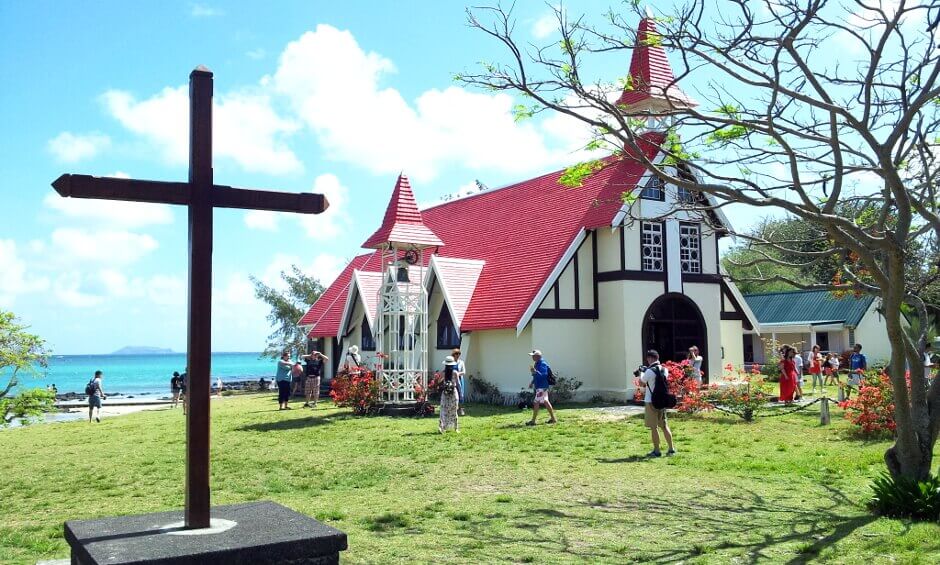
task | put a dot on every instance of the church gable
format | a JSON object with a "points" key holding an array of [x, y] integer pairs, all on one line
{"points": [[573, 293]]}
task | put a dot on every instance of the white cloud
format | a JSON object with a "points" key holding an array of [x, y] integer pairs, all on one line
{"points": [[204, 11], [246, 127], [15, 280], [112, 213], [262, 220], [72, 148], [67, 288], [546, 25], [109, 247], [331, 223], [166, 290], [325, 267], [334, 86], [256, 54]]}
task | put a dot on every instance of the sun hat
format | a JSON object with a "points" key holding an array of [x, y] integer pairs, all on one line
{"points": [[535, 352], [449, 361], [354, 349]]}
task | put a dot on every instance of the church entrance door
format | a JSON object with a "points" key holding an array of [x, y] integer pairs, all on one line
{"points": [[672, 325]]}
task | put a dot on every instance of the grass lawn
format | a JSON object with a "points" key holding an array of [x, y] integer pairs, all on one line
{"points": [[781, 490]]}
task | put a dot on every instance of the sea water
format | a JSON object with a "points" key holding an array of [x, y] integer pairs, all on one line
{"points": [[139, 374]]}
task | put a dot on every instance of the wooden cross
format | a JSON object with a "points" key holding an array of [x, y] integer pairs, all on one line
{"points": [[201, 196]]}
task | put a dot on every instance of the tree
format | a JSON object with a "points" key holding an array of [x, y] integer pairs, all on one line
{"points": [[21, 352], [805, 106], [287, 307]]}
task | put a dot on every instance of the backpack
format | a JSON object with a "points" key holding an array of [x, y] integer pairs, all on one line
{"points": [[91, 387], [551, 377], [661, 396]]}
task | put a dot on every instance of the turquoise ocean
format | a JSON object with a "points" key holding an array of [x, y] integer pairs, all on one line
{"points": [[141, 374]]}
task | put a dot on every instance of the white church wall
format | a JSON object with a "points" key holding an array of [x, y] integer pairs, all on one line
{"points": [[586, 275], [636, 297], [500, 357], [572, 349], [708, 299], [631, 247], [709, 251], [872, 333], [732, 344], [608, 249], [611, 342], [566, 287]]}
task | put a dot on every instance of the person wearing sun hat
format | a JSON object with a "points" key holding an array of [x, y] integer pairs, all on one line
{"points": [[449, 400], [353, 364], [540, 371]]}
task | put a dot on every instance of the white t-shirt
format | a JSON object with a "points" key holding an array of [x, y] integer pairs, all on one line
{"points": [[649, 379], [927, 365], [834, 363]]}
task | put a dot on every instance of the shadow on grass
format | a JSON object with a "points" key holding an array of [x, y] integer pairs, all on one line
{"points": [[295, 423], [630, 459], [737, 523]]}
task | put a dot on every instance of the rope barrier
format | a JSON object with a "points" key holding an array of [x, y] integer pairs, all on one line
{"points": [[783, 413]]}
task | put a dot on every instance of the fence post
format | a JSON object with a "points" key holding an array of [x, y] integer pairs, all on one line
{"points": [[824, 412]]}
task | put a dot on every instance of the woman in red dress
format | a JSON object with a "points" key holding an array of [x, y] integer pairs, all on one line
{"points": [[787, 374]]}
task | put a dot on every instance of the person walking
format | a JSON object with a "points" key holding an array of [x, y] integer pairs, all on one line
{"points": [[815, 368], [798, 362], [283, 379], [460, 371], [858, 364], [314, 371], [353, 363], [832, 369], [655, 418], [176, 387], [787, 375], [95, 396], [540, 383], [450, 400], [219, 387], [696, 361]]}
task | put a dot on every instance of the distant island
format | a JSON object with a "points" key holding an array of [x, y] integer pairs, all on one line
{"points": [[142, 350]]}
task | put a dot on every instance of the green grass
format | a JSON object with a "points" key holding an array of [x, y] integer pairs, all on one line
{"points": [[780, 490]]}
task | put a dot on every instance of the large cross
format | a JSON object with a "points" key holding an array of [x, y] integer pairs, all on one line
{"points": [[201, 196]]}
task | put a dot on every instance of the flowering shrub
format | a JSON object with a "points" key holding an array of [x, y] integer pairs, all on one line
{"points": [[741, 395], [872, 409], [359, 391], [680, 378]]}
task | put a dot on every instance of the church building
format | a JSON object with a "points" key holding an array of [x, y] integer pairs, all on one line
{"points": [[577, 273]]}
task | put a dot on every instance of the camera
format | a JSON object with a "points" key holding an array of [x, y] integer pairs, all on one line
{"points": [[640, 370]]}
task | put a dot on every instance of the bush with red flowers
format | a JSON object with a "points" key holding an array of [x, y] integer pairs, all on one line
{"points": [[872, 410], [679, 377], [359, 391]]}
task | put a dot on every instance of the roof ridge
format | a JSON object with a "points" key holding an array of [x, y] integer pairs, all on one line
{"points": [[795, 291]]}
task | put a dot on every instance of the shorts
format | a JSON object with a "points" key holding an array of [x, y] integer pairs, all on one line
{"points": [[94, 401], [654, 417], [541, 396], [312, 384], [855, 381], [283, 391]]}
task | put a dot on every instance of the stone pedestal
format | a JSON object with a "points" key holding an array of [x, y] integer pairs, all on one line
{"points": [[241, 534]]}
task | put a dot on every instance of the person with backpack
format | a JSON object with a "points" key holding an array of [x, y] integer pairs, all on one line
{"points": [[176, 387], [542, 379], [655, 402], [95, 396]]}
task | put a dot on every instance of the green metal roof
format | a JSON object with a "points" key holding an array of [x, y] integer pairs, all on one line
{"points": [[807, 307]]}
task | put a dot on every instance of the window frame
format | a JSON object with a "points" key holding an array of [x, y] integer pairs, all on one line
{"points": [[445, 321], [661, 188], [366, 329], [682, 249], [662, 247]]}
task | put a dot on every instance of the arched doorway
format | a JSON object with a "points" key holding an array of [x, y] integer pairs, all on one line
{"points": [[672, 325]]}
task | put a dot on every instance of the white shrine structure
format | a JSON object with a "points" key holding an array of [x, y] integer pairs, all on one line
{"points": [[401, 339]]}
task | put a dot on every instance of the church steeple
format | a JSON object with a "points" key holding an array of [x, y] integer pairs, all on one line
{"points": [[651, 88], [403, 226]]}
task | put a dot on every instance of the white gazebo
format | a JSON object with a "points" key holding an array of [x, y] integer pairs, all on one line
{"points": [[401, 337]]}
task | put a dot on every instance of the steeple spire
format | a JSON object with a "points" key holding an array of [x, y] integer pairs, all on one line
{"points": [[403, 225], [651, 87]]}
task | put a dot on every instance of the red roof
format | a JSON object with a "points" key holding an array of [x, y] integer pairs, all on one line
{"points": [[650, 71], [521, 231], [402, 222]]}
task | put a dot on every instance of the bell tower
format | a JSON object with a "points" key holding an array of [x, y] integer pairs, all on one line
{"points": [[401, 340]]}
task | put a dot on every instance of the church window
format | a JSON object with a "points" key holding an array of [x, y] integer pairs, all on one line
{"points": [[447, 335], [654, 189], [652, 234], [684, 195], [368, 340], [690, 247]]}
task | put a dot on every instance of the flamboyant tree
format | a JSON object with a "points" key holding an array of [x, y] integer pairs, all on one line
{"points": [[823, 111]]}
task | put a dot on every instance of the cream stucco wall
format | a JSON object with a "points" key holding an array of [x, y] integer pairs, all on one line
{"points": [[732, 344], [608, 249], [872, 333], [500, 357]]}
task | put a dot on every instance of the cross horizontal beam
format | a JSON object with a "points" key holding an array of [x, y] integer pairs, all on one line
{"points": [[131, 190]]}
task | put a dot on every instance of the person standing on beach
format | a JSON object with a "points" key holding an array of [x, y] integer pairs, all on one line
{"points": [[283, 379], [184, 378], [95, 396], [314, 370], [176, 387]]}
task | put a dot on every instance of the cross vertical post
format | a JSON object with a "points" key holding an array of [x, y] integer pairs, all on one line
{"points": [[199, 340]]}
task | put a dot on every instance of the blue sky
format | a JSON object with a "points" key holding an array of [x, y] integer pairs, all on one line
{"points": [[333, 97]]}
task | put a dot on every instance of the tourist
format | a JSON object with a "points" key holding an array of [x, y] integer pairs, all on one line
{"points": [[297, 379], [184, 378], [283, 379], [540, 371], [787, 374], [95, 396], [218, 387], [832, 370], [353, 363], [928, 363], [460, 369], [314, 371], [815, 368], [858, 364], [655, 418], [449, 396], [263, 384], [176, 387], [798, 362], [695, 360]]}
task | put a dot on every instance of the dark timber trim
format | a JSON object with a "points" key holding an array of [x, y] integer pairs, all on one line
{"points": [[577, 282], [594, 269], [701, 278], [565, 314], [737, 306], [607, 276]]}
